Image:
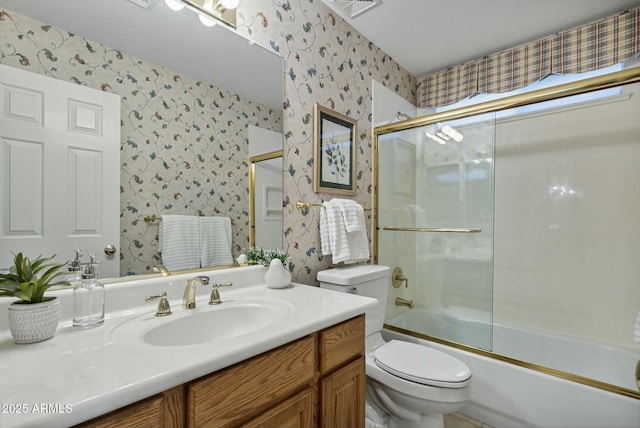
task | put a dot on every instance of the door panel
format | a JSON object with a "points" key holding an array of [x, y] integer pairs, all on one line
{"points": [[60, 157]]}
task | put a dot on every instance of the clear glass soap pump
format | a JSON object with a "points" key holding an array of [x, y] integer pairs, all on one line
{"points": [[88, 298], [75, 268]]}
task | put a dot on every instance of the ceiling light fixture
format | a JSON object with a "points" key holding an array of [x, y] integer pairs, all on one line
{"points": [[222, 10], [435, 138], [174, 5], [206, 20], [452, 133], [228, 4]]}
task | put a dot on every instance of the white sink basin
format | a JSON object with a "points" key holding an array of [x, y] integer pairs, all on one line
{"points": [[205, 324]]}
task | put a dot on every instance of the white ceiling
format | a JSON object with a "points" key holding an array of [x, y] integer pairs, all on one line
{"points": [[421, 35]]}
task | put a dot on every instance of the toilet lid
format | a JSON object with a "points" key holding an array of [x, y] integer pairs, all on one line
{"points": [[421, 364]]}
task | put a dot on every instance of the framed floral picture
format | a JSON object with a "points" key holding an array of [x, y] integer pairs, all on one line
{"points": [[334, 166]]}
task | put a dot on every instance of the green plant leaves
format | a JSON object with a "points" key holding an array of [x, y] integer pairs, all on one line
{"points": [[24, 282]]}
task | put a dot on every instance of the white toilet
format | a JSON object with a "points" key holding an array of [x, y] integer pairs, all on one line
{"points": [[409, 385]]}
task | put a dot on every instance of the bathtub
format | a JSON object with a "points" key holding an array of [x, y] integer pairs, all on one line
{"points": [[512, 396]]}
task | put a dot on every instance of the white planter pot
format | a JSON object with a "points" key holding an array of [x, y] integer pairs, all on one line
{"points": [[277, 276], [34, 322]]}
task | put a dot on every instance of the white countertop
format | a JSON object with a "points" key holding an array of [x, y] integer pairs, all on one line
{"points": [[81, 374]]}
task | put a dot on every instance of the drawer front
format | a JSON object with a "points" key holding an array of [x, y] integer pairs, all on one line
{"points": [[237, 393], [296, 412], [341, 343]]}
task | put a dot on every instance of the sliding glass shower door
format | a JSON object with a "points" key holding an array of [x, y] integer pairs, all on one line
{"points": [[435, 228]]}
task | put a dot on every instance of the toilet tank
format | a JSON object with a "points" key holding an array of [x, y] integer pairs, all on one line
{"points": [[365, 280]]}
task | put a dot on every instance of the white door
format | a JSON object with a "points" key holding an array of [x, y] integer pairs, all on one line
{"points": [[59, 169]]}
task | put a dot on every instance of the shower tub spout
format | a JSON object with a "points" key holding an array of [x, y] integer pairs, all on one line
{"points": [[404, 302]]}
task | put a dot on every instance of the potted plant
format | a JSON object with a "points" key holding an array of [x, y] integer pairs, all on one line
{"points": [[283, 256], [260, 256], [34, 317], [256, 256]]}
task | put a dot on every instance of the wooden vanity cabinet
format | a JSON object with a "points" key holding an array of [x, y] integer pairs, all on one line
{"points": [[315, 381], [231, 396], [342, 368], [164, 410], [295, 412]]}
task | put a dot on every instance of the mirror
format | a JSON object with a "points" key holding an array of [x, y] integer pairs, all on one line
{"points": [[265, 149], [189, 94]]}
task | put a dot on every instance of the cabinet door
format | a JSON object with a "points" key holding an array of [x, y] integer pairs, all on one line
{"points": [[343, 396], [164, 410], [296, 412]]}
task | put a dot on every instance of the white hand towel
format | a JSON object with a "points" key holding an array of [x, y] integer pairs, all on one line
{"points": [[215, 241], [352, 214], [325, 242], [180, 240], [343, 246], [636, 329]]}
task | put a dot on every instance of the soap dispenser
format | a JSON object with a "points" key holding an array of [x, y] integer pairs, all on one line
{"points": [[75, 268], [88, 298]]}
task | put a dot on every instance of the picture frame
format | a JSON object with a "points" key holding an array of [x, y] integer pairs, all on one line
{"points": [[334, 166]]}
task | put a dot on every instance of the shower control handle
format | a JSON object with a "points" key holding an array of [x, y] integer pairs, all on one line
{"points": [[398, 278]]}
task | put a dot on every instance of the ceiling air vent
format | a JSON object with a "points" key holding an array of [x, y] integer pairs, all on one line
{"points": [[354, 8], [145, 4]]}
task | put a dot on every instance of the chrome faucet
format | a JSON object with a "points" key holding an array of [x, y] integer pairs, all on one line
{"points": [[189, 297], [161, 269], [404, 302]]}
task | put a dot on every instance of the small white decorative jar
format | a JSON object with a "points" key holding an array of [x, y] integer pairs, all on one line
{"points": [[277, 276], [34, 322]]}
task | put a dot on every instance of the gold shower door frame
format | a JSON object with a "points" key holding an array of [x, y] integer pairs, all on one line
{"points": [[619, 78]]}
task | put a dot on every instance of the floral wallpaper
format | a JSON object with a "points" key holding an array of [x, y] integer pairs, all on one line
{"points": [[167, 155], [326, 61]]}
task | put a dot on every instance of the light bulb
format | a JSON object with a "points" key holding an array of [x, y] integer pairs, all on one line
{"points": [[207, 21], [174, 5], [229, 4]]}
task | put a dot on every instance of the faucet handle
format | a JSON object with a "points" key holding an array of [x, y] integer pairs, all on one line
{"points": [[164, 308], [214, 299]]}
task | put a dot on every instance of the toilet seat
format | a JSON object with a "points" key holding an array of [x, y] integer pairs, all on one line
{"points": [[422, 365]]}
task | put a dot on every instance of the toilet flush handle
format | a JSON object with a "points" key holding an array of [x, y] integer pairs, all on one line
{"points": [[353, 290]]}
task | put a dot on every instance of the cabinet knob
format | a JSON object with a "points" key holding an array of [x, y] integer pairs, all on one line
{"points": [[109, 250]]}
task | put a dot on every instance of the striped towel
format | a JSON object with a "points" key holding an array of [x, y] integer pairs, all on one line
{"points": [[344, 246], [179, 242], [215, 241], [352, 214]]}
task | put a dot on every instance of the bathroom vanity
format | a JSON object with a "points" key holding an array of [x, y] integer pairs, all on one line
{"points": [[276, 388], [293, 357]]}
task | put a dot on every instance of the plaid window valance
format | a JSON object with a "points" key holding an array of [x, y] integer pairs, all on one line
{"points": [[589, 47]]}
